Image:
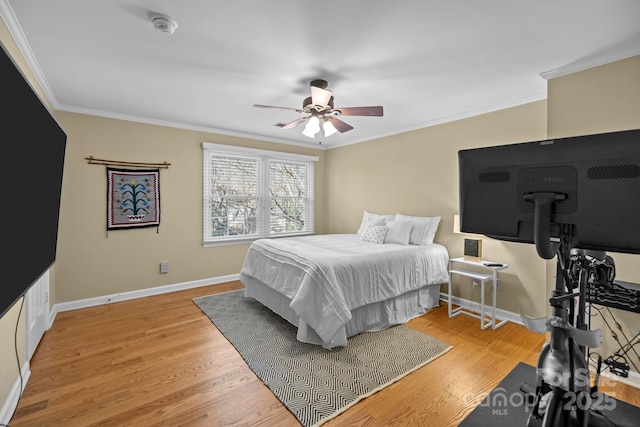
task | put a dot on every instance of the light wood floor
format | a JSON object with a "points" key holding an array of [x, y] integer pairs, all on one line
{"points": [[160, 361]]}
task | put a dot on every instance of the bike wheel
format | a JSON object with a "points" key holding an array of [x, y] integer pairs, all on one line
{"points": [[556, 414]]}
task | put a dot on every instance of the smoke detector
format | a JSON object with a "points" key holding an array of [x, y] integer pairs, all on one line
{"points": [[163, 23]]}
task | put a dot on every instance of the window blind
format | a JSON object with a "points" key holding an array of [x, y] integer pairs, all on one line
{"points": [[250, 194]]}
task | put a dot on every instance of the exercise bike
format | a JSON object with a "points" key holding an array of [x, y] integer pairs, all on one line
{"points": [[563, 396]]}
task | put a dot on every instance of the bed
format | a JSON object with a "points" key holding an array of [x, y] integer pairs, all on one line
{"points": [[334, 286]]}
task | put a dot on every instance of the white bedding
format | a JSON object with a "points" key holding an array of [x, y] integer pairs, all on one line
{"points": [[326, 277]]}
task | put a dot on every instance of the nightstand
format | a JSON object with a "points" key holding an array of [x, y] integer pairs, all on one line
{"points": [[483, 271]]}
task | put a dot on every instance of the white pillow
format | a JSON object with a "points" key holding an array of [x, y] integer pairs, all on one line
{"points": [[399, 232], [374, 233], [369, 216], [424, 229], [419, 232]]}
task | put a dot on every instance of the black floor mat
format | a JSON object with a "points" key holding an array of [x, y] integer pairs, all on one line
{"points": [[505, 406]]}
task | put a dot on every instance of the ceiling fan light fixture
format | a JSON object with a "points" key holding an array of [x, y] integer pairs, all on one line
{"points": [[312, 127], [328, 128], [320, 98]]}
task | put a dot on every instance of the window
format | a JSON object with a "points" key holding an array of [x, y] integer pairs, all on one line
{"points": [[250, 194]]}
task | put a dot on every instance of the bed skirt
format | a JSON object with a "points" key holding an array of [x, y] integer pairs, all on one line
{"points": [[368, 318]]}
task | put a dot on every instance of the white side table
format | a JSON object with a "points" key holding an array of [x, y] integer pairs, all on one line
{"points": [[490, 273]]}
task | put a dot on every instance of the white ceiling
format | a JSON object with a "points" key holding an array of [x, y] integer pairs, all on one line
{"points": [[425, 61]]}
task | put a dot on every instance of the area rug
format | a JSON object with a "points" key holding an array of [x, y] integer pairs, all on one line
{"points": [[316, 384], [505, 406]]}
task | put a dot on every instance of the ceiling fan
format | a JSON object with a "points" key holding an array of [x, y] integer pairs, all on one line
{"points": [[320, 114]]}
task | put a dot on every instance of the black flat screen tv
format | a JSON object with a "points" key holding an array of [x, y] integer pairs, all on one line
{"points": [[33, 147], [588, 184]]}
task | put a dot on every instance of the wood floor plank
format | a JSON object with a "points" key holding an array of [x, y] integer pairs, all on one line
{"points": [[159, 361]]}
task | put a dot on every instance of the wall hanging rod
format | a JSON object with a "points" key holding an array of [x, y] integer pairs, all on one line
{"points": [[93, 161]]}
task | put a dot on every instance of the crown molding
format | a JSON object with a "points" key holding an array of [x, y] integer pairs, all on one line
{"points": [[595, 61]]}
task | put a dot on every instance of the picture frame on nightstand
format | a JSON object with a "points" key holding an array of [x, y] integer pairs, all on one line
{"points": [[473, 248]]}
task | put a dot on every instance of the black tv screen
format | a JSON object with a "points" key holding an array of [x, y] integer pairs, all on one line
{"points": [[33, 147], [590, 183]]}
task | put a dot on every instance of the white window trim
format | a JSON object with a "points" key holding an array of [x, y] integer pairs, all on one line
{"points": [[231, 149], [265, 154]]}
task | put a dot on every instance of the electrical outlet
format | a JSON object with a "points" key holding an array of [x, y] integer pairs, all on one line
{"points": [[164, 267]]}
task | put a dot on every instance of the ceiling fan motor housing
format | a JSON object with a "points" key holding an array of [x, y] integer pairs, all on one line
{"points": [[322, 84]]}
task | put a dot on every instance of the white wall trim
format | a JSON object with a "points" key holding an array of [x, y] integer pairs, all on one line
{"points": [[588, 63], [14, 395], [632, 380], [108, 299], [475, 307]]}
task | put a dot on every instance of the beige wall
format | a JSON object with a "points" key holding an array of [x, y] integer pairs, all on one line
{"points": [[601, 99], [416, 173], [91, 262]]}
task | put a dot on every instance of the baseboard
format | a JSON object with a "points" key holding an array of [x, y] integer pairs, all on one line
{"points": [[632, 380], [475, 307], [108, 299], [14, 395]]}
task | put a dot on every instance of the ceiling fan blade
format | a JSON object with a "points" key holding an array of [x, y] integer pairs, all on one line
{"points": [[279, 108], [320, 97], [295, 123], [340, 125], [360, 111]]}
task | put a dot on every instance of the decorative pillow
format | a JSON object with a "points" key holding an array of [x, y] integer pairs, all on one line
{"points": [[399, 232], [374, 233], [424, 229], [369, 216]]}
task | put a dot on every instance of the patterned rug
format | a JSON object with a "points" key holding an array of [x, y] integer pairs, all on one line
{"points": [[316, 384]]}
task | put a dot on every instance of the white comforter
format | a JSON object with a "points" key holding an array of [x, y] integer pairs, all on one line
{"points": [[327, 276]]}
